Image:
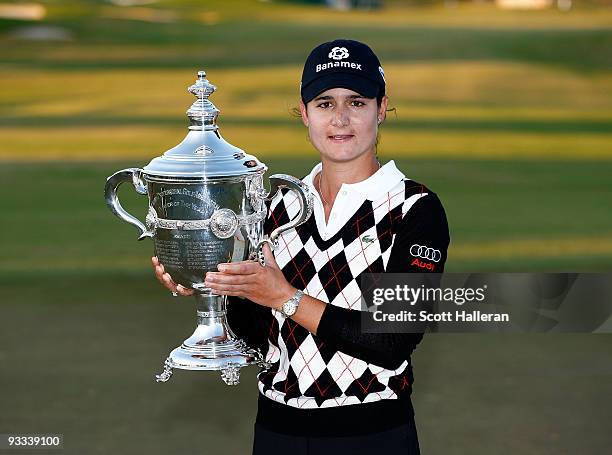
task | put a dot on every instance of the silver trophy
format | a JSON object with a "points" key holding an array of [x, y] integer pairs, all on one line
{"points": [[206, 207]]}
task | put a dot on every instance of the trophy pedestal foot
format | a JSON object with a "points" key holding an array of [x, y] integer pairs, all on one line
{"points": [[231, 374], [165, 375]]}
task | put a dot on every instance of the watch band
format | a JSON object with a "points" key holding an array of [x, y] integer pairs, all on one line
{"points": [[289, 308]]}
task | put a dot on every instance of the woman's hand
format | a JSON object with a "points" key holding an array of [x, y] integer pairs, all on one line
{"points": [[265, 286], [165, 279]]}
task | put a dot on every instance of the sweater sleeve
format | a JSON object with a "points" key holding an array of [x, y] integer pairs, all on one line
{"points": [[425, 224], [249, 321]]}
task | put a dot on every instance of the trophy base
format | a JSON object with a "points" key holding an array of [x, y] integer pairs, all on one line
{"points": [[227, 358], [212, 346]]}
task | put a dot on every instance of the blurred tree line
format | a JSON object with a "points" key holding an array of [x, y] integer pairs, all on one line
{"points": [[373, 4]]}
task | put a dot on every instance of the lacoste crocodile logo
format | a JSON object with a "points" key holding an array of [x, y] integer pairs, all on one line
{"points": [[367, 239]]}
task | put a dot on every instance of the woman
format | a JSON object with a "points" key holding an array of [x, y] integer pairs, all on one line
{"points": [[332, 388]]}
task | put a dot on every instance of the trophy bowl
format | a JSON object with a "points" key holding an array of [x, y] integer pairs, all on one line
{"points": [[207, 205]]}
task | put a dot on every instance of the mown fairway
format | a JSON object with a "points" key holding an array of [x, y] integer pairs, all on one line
{"points": [[507, 116]]}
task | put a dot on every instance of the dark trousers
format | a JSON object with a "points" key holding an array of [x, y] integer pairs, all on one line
{"points": [[401, 440]]}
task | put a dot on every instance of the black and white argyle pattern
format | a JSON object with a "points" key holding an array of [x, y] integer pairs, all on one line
{"points": [[305, 372]]}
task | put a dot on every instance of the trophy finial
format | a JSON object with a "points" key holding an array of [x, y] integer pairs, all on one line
{"points": [[202, 113], [202, 87]]}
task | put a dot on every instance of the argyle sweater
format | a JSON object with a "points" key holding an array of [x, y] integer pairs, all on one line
{"points": [[315, 380]]}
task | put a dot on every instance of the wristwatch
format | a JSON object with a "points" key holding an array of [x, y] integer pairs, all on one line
{"points": [[290, 306]]}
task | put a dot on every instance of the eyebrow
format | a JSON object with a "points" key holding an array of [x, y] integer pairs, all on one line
{"points": [[327, 97]]}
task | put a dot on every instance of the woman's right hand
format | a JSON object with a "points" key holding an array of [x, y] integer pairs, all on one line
{"points": [[165, 279]]}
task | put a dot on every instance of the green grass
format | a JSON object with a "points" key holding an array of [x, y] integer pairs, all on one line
{"points": [[456, 109], [470, 82], [177, 46], [88, 344], [506, 115], [56, 219]]}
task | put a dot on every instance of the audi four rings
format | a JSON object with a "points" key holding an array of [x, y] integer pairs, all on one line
{"points": [[425, 252]]}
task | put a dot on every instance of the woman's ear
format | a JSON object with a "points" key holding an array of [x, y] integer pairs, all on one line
{"points": [[382, 110], [304, 114]]}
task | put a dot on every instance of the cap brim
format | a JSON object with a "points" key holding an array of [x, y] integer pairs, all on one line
{"points": [[362, 85]]}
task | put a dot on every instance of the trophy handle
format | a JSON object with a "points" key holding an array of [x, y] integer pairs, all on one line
{"points": [[132, 175], [277, 182]]}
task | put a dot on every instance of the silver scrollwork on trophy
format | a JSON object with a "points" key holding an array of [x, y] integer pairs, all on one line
{"points": [[206, 207]]}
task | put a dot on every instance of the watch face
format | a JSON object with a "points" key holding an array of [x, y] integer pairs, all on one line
{"points": [[289, 308]]}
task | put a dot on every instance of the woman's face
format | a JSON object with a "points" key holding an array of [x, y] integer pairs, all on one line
{"points": [[342, 124]]}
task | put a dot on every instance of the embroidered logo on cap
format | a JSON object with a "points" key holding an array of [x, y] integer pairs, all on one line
{"points": [[324, 66], [338, 53]]}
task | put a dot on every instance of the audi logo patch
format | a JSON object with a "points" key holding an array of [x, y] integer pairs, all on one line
{"points": [[424, 252]]}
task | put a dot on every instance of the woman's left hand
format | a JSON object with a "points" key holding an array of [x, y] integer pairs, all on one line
{"points": [[265, 286]]}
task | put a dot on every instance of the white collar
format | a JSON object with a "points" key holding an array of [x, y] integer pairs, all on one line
{"points": [[351, 196], [372, 188]]}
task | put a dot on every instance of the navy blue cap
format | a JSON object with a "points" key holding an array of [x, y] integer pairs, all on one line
{"points": [[342, 63]]}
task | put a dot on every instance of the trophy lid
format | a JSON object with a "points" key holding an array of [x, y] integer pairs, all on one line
{"points": [[204, 154]]}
